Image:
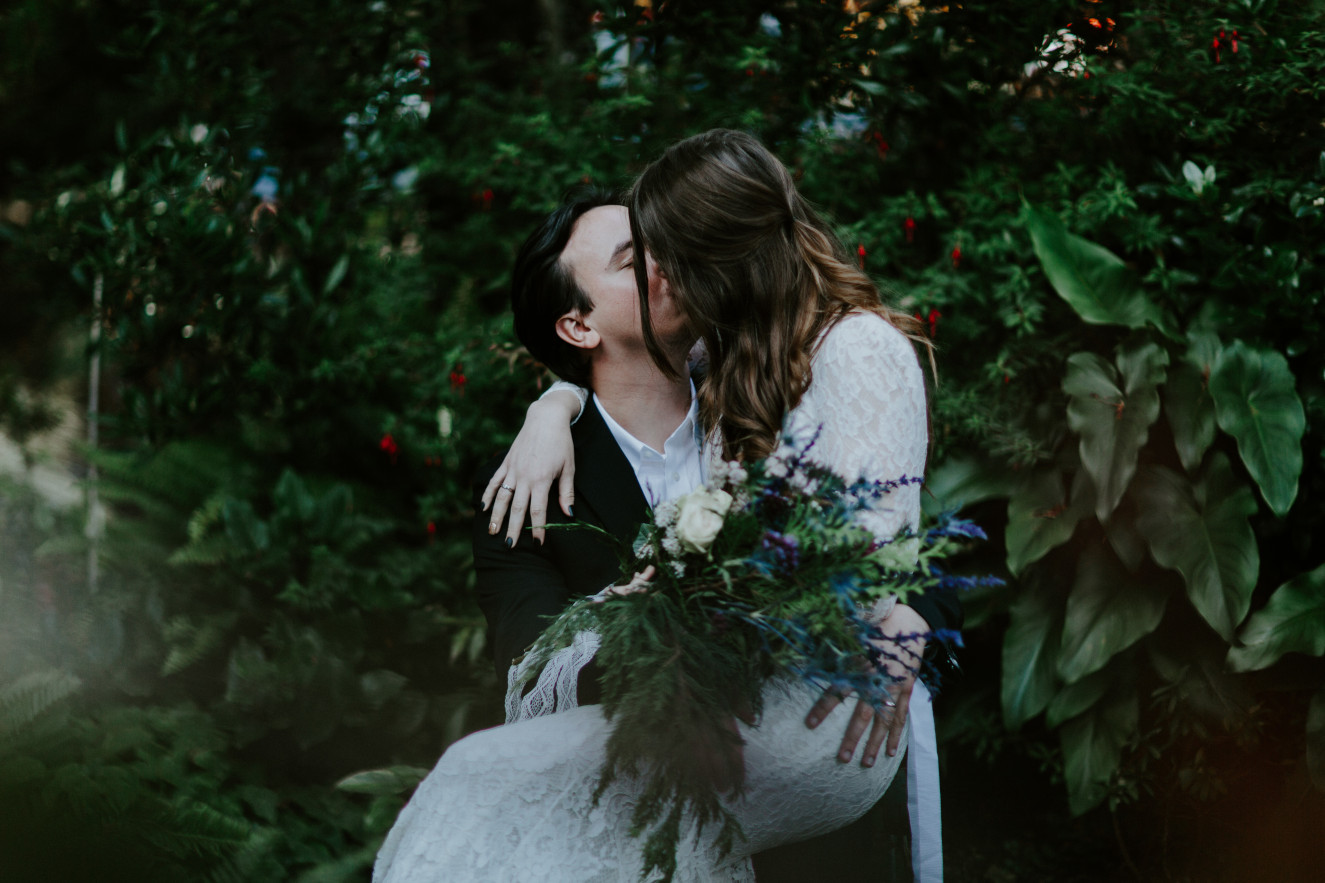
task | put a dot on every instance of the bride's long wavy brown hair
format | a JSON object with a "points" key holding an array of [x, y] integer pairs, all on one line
{"points": [[757, 273]]}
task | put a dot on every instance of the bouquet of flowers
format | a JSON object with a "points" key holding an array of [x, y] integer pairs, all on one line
{"points": [[765, 571]]}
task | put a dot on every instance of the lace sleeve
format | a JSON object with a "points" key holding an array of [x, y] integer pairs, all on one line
{"points": [[566, 386], [867, 400]]}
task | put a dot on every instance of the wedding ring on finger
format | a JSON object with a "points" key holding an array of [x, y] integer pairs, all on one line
{"points": [[508, 488]]}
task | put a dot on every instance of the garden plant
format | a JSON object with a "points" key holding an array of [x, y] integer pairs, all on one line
{"points": [[262, 251]]}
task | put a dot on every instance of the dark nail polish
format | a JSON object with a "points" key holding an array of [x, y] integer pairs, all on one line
{"points": [[570, 510], [509, 542]]}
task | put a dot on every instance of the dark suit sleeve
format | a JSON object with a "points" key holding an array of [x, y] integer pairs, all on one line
{"points": [[518, 589], [940, 608]]}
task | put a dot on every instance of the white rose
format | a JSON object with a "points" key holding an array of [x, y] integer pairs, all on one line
{"points": [[699, 518]]}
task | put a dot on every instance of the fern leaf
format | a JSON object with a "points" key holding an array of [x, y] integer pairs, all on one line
{"points": [[196, 643], [32, 695], [196, 830], [203, 551]]}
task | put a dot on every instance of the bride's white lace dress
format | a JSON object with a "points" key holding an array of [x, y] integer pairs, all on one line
{"points": [[514, 803]]}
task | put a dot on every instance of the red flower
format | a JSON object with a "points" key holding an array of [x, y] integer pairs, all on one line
{"points": [[934, 316], [389, 447], [487, 198], [432, 528], [860, 252], [458, 380], [910, 227], [1235, 41], [956, 256], [880, 144]]}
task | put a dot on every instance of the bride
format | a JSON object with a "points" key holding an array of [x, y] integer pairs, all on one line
{"points": [[791, 331]]}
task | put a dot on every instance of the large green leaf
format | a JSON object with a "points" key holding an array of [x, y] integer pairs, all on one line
{"points": [[1107, 611], [1202, 531], [1093, 747], [1093, 280], [1030, 654], [1075, 699], [389, 780], [1041, 516], [1191, 413], [1200, 680], [1293, 621], [1316, 739], [1256, 402], [963, 481], [1125, 538], [1112, 410]]}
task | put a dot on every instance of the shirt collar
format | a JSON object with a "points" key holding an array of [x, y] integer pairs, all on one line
{"points": [[683, 439]]}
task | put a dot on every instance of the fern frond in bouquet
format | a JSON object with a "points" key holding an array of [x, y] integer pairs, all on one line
{"points": [[765, 571]]}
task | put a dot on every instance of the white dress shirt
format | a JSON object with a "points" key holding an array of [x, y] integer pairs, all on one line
{"points": [[674, 471]]}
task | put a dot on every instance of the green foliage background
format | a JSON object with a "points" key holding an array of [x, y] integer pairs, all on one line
{"points": [[1118, 252]]}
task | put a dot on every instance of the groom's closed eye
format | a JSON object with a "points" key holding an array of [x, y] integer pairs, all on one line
{"points": [[623, 256]]}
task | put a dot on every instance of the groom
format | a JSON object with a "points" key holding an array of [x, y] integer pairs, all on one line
{"points": [[637, 443]]}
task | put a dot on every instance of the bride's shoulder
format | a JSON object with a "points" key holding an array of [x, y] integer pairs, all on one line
{"points": [[865, 334]]}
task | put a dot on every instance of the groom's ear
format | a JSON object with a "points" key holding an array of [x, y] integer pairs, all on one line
{"points": [[572, 329]]}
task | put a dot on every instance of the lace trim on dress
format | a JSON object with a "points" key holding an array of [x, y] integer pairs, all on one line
{"points": [[566, 386], [557, 687]]}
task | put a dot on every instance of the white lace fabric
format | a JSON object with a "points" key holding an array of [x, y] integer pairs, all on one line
{"points": [[557, 686], [515, 802], [866, 401]]}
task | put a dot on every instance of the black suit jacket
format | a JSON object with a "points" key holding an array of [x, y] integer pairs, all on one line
{"points": [[520, 588]]}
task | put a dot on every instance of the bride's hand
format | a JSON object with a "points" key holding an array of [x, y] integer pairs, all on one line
{"points": [[542, 451], [638, 583], [902, 630]]}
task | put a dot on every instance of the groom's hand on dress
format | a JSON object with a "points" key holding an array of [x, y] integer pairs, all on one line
{"points": [[903, 645]]}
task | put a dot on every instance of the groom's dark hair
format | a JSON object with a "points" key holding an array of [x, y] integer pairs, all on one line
{"points": [[543, 289]]}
